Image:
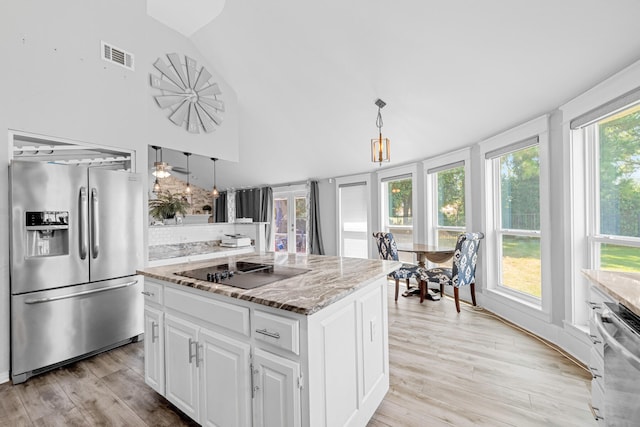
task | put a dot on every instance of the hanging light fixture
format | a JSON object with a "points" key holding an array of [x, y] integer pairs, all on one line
{"points": [[188, 189], [160, 169], [156, 185], [215, 192], [380, 149]]}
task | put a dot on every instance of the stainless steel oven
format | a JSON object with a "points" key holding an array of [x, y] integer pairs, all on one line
{"points": [[620, 329]]}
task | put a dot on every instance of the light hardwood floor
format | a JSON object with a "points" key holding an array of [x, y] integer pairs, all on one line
{"points": [[447, 369]]}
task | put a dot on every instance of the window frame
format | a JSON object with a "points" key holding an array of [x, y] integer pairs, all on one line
{"points": [[500, 298], [581, 193], [441, 163], [594, 235], [386, 175]]}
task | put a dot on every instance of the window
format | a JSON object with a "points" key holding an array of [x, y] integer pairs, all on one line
{"points": [[290, 222], [614, 231], [517, 207], [353, 223], [449, 214], [397, 208]]}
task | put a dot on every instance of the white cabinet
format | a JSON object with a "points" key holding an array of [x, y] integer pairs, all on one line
{"points": [[153, 336], [154, 349], [277, 384], [207, 374], [225, 380], [181, 360]]}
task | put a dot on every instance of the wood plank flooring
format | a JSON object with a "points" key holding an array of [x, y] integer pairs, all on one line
{"points": [[447, 369]]}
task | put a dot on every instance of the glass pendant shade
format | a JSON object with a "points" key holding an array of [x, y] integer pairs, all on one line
{"points": [[156, 186], [161, 169], [380, 149]]}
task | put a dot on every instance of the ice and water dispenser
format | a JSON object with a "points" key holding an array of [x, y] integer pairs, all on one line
{"points": [[47, 233]]}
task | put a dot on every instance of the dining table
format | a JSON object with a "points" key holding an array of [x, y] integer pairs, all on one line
{"points": [[434, 253]]}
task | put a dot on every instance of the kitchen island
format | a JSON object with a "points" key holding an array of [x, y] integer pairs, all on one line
{"points": [[309, 350]]}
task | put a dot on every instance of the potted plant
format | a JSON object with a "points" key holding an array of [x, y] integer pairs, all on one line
{"points": [[167, 205]]}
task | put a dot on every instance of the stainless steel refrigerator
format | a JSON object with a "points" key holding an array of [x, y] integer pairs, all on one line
{"points": [[76, 241]]}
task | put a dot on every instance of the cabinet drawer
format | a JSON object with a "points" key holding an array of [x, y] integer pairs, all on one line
{"points": [[228, 316], [277, 330], [152, 292]]}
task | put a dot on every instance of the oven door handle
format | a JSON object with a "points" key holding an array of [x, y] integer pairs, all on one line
{"points": [[615, 344]]}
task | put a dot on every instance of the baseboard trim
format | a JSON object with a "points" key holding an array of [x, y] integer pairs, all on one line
{"points": [[4, 377]]}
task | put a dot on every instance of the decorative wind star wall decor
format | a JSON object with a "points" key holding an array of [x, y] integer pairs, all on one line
{"points": [[193, 101]]}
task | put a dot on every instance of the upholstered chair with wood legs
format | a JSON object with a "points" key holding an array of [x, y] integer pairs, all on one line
{"points": [[462, 273], [388, 250]]}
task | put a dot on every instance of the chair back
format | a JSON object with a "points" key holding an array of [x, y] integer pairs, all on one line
{"points": [[387, 247], [465, 259]]}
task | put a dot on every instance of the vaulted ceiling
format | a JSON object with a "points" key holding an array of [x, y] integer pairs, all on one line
{"points": [[452, 72]]}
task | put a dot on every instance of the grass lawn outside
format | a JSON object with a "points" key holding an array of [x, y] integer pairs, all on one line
{"points": [[521, 266]]}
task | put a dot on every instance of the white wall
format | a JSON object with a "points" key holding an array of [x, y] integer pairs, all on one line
{"points": [[53, 82]]}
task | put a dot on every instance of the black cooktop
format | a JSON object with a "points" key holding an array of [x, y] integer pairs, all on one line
{"points": [[242, 274]]}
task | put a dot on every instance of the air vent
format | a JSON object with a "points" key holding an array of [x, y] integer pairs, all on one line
{"points": [[118, 56]]}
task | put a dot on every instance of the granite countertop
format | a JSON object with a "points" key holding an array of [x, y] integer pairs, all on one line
{"points": [[329, 279], [623, 287], [177, 250]]}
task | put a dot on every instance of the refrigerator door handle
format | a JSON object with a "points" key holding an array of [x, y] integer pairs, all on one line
{"points": [[84, 226], [95, 226], [82, 293]]}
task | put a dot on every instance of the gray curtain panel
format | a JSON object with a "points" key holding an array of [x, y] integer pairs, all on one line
{"points": [[315, 236], [266, 209], [221, 208], [248, 204]]}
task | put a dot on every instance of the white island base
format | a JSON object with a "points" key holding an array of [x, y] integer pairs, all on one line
{"points": [[225, 361]]}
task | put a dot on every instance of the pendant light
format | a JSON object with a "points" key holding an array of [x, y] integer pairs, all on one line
{"points": [[160, 169], [215, 192], [156, 185], [380, 149], [188, 189]]}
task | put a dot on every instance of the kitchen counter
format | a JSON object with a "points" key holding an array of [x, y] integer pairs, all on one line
{"points": [[191, 251], [623, 287], [329, 279]]}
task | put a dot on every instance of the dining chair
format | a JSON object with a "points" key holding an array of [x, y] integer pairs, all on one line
{"points": [[388, 250], [462, 271]]}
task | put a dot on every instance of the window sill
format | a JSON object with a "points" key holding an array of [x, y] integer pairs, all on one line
{"points": [[512, 301]]}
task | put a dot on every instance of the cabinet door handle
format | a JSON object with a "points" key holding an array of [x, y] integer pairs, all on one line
{"points": [[191, 355], [594, 339], [147, 293], [254, 388], [264, 331], [593, 305], [197, 354], [154, 325], [596, 413], [593, 372]]}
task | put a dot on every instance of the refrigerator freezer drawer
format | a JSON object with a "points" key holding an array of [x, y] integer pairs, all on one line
{"points": [[50, 327]]}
